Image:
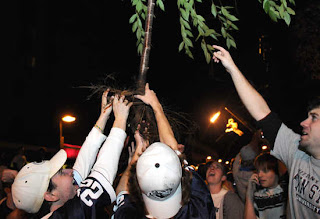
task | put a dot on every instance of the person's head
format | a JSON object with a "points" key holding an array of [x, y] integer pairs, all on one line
{"points": [[267, 168], [37, 181], [248, 154], [216, 173], [310, 138], [158, 173]]}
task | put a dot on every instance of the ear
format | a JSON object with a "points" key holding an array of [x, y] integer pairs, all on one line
{"points": [[224, 178], [50, 197]]}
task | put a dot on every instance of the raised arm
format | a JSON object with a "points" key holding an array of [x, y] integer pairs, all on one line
{"points": [[165, 131], [89, 150], [136, 150], [252, 100], [109, 154]]}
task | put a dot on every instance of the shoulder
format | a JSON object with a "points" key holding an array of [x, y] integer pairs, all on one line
{"points": [[124, 208], [233, 198]]}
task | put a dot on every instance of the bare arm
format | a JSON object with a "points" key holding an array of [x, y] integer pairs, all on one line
{"points": [[253, 101], [141, 145], [165, 131]]}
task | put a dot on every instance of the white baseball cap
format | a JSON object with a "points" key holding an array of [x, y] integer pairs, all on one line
{"points": [[159, 175], [33, 180]]}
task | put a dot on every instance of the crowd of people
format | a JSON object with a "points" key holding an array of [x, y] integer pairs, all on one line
{"points": [[158, 181]]}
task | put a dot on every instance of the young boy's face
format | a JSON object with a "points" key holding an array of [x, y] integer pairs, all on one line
{"points": [[267, 178], [214, 174]]}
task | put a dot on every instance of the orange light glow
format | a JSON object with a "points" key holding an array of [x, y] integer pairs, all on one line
{"points": [[215, 117], [68, 118], [264, 147], [227, 162], [232, 126], [220, 160]]}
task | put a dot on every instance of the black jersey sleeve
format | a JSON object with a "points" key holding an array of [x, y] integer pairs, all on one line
{"points": [[270, 126]]}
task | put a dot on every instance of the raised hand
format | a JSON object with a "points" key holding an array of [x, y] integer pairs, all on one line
{"points": [[106, 105], [149, 97], [225, 58], [252, 185], [121, 108]]}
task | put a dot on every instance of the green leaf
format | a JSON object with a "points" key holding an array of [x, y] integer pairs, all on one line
{"points": [[232, 18], [185, 23], [200, 18], [188, 52], [199, 1], [208, 57], [228, 43], [222, 18], [209, 32], [189, 33], [232, 43], [203, 45], [183, 33], [224, 11], [272, 14], [200, 30], [223, 32], [138, 33], [266, 6], [214, 36], [213, 10], [285, 3], [143, 16], [139, 22], [134, 26], [210, 48], [160, 4], [233, 25], [281, 11], [188, 42], [184, 14], [181, 46], [132, 18], [272, 3], [229, 36], [290, 11], [140, 48], [287, 18], [292, 2], [139, 6]]}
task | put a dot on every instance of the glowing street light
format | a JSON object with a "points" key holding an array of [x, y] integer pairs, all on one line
{"points": [[68, 119], [215, 117], [264, 147], [209, 158]]}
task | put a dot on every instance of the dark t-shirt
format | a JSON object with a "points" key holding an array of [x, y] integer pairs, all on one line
{"points": [[199, 206], [92, 195]]}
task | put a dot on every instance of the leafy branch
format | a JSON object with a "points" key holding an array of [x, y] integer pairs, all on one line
{"points": [[191, 22]]}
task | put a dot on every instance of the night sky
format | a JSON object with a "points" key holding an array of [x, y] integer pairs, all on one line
{"points": [[56, 47]]}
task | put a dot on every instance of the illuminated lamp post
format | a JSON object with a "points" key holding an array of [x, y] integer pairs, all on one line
{"points": [[68, 119]]}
